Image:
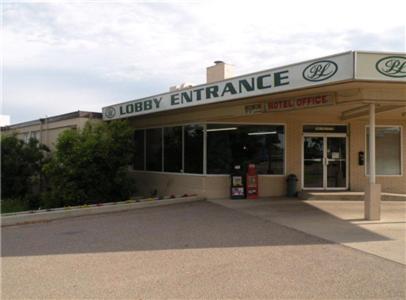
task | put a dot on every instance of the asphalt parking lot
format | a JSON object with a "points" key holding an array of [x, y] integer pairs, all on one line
{"points": [[191, 250]]}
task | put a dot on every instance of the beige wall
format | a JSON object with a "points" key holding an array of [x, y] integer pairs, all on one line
{"points": [[168, 184], [270, 185], [215, 186], [390, 184], [273, 185], [49, 132]]}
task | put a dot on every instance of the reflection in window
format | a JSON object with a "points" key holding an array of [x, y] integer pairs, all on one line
{"points": [[139, 153], [35, 135], [387, 151], [193, 148], [173, 149], [228, 145], [154, 149]]}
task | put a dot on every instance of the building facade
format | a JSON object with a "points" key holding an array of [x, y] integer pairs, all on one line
{"points": [[310, 119], [47, 130]]}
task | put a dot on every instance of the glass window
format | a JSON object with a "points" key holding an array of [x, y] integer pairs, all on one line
{"points": [[387, 151], [154, 149], [193, 148], [219, 148], [228, 145], [25, 137], [34, 135], [173, 149], [139, 150]]}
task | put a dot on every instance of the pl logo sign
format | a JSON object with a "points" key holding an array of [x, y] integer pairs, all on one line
{"points": [[110, 112], [392, 66], [320, 70]]}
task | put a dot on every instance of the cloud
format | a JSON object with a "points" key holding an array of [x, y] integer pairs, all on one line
{"points": [[61, 56]]}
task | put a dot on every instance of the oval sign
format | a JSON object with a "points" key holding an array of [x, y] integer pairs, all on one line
{"points": [[392, 66], [110, 112], [320, 70]]}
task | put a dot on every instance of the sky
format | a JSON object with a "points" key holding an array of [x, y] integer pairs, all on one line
{"points": [[63, 56]]}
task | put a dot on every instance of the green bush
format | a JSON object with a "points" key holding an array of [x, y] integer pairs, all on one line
{"points": [[21, 165], [14, 205], [90, 166]]}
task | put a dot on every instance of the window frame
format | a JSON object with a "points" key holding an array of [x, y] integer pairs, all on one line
{"points": [[204, 124], [259, 124], [366, 131], [145, 149], [183, 149]]}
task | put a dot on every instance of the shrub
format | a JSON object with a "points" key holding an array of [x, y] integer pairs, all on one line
{"points": [[14, 205], [90, 166], [21, 165]]}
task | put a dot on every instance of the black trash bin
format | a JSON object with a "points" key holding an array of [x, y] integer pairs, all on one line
{"points": [[291, 181]]}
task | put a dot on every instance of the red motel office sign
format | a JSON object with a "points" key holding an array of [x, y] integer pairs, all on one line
{"points": [[300, 102]]}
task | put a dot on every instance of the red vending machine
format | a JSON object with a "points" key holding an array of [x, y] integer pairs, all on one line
{"points": [[252, 182]]}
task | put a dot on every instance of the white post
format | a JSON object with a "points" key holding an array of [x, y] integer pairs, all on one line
{"points": [[372, 171], [372, 201]]}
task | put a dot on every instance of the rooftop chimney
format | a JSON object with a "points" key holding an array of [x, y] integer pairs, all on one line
{"points": [[219, 71]]}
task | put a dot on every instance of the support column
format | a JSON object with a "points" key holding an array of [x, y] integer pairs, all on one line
{"points": [[372, 175], [372, 200]]}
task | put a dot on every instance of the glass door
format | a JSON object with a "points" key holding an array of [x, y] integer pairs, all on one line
{"points": [[324, 162], [313, 162], [336, 162]]}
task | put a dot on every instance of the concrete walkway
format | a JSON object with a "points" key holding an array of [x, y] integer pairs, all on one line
{"points": [[336, 221]]}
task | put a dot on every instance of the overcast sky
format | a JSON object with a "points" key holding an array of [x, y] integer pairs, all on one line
{"points": [[62, 56]]}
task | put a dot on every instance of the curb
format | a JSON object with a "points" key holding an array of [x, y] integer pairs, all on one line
{"points": [[43, 216], [358, 196]]}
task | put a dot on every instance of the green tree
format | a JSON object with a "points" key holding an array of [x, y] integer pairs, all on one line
{"points": [[90, 166], [21, 165]]}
